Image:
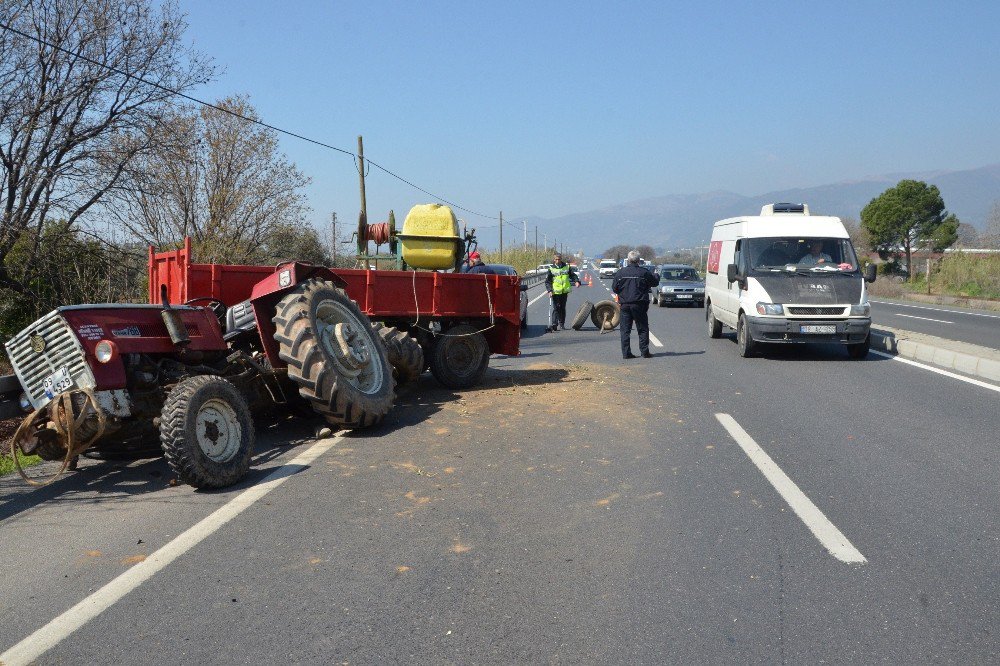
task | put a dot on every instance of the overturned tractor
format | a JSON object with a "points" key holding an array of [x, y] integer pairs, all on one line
{"points": [[219, 342]]}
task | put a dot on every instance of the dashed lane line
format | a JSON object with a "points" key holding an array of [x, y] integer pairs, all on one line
{"points": [[924, 307], [538, 298], [655, 340], [46, 638], [832, 539], [940, 321]]}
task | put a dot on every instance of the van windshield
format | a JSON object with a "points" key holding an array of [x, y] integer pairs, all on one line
{"points": [[608, 264], [794, 253]]}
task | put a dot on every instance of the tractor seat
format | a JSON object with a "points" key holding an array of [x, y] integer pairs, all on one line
{"points": [[239, 319]]}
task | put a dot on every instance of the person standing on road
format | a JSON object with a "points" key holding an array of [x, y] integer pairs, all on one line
{"points": [[631, 285], [559, 282]]}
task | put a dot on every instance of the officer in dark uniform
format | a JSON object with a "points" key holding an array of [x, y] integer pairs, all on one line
{"points": [[632, 284]]}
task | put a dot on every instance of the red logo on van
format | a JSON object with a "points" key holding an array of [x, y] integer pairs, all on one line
{"points": [[714, 253]]}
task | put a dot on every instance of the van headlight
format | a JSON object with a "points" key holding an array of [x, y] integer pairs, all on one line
{"points": [[668, 290], [699, 290], [863, 310], [24, 403], [770, 309]]}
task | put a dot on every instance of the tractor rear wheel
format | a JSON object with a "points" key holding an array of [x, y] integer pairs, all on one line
{"points": [[459, 357], [334, 355], [206, 432], [405, 354]]}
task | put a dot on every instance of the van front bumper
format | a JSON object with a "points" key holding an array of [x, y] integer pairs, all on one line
{"points": [[782, 330]]}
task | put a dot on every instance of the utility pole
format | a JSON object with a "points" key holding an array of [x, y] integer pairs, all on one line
{"points": [[501, 236], [363, 215], [524, 225], [333, 236], [536, 244]]}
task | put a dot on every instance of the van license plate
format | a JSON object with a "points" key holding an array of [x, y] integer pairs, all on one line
{"points": [[683, 295], [817, 329]]}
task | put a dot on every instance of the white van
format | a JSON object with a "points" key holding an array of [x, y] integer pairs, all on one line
{"points": [[786, 276]]}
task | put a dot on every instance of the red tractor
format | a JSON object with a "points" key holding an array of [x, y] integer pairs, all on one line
{"points": [[219, 342]]}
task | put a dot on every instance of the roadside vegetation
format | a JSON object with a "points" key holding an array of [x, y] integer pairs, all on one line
{"points": [[523, 259]]}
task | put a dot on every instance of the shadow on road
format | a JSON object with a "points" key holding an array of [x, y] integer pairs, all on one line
{"points": [[112, 481]]}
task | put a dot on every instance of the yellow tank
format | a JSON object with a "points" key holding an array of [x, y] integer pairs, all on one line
{"points": [[430, 237]]}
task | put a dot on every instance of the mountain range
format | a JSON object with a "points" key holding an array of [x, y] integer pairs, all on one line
{"points": [[685, 220]]}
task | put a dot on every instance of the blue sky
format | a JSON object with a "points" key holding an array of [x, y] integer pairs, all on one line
{"points": [[549, 108]]}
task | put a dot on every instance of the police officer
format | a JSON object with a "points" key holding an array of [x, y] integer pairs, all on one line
{"points": [[559, 282], [632, 284]]}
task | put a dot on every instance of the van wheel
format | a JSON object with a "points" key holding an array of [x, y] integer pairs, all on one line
{"points": [[714, 325], [743, 338], [860, 350]]}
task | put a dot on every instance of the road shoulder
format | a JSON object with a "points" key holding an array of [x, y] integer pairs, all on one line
{"points": [[974, 360]]}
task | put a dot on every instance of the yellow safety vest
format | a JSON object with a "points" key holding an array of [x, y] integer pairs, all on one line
{"points": [[560, 279]]}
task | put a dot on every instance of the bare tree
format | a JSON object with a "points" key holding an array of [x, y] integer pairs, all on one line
{"points": [[71, 122], [219, 178], [991, 237]]}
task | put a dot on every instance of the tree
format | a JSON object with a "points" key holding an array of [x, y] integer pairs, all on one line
{"points": [[860, 238], [910, 215], [645, 251], [966, 236], [70, 124], [219, 178]]}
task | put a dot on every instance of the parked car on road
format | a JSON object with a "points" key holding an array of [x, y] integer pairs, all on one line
{"points": [[504, 269], [679, 283]]}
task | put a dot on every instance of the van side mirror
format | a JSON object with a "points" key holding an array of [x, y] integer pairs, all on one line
{"points": [[870, 273], [732, 273]]}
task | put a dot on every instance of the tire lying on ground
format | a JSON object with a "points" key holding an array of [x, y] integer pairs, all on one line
{"points": [[334, 355], [206, 432], [459, 357], [581, 315], [405, 354], [606, 310]]}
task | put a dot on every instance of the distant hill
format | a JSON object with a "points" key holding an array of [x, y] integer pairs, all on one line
{"points": [[685, 220]]}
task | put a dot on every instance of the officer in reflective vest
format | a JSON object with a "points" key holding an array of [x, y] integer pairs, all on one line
{"points": [[559, 282]]}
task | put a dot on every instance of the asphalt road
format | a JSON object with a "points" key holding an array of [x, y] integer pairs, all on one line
{"points": [[576, 508], [978, 327]]}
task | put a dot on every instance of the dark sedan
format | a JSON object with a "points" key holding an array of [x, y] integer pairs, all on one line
{"points": [[679, 283], [503, 269]]}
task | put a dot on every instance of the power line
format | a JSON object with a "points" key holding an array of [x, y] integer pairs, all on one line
{"points": [[279, 130]]}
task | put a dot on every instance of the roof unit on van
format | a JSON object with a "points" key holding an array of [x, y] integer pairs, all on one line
{"points": [[785, 209]]}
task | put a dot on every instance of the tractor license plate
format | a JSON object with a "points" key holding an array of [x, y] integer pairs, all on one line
{"points": [[57, 382], [817, 329], [683, 295]]}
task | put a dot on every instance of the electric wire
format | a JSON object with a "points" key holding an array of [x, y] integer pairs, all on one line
{"points": [[256, 121]]}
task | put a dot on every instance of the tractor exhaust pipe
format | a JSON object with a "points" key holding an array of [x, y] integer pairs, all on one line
{"points": [[172, 320]]}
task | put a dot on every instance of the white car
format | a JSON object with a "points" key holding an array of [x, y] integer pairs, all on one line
{"points": [[607, 268]]}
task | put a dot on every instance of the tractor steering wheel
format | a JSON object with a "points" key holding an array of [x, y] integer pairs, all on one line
{"points": [[217, 307]]}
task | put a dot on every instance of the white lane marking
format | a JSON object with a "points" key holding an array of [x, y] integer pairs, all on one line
{"points": [[537, 298], [940, 371], [832, 539], [38, 643], [655, 340], [940, 321], [924, 307]]}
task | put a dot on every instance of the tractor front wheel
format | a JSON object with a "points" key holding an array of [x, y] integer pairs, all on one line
{"points": [[206, 432]]}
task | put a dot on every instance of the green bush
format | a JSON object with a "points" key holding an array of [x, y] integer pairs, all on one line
{"points": [[971, 275]]}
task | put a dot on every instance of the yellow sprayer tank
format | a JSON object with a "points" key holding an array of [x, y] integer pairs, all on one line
{"points": [[430, 237]]}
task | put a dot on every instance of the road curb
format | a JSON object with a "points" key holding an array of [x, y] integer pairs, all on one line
{"points": [[968, 364]]}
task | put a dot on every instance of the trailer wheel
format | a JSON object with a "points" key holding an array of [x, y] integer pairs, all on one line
{"points": [[581, 315], [405, 354], [206, 432], [334, 355], [459, 357], [606, 310]]}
